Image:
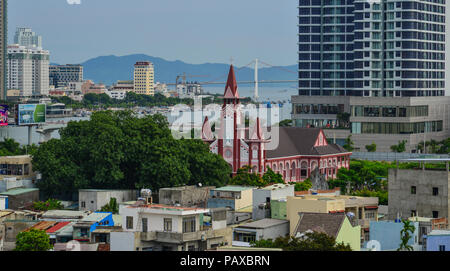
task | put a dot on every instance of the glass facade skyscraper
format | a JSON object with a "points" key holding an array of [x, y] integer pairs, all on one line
{"points": [[364, 64], [385, 48]]}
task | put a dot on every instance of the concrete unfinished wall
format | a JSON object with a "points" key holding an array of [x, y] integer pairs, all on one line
{"points": [[402, 201]]}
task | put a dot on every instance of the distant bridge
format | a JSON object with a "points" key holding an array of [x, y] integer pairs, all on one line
{"points": [[243, 82], [255, 81]]}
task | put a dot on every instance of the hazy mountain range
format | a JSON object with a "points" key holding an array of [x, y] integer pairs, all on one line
{"points": [[109, 69]]}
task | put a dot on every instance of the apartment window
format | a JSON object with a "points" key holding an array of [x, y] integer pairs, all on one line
{"points": [[435, 191], [188, 224], [413, 190], [83, 204], [167, 224], [441, 248], [129, 222], [413, 213], [144, 225], [435, 214]]}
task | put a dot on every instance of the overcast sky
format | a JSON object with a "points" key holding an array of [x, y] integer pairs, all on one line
{"points": [[194, 31]]}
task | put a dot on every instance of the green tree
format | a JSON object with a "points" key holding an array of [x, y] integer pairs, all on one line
{"points": [[50, 204], [314, 241], [271, 177], [128, 152], [372, 147], [343, 119], [285, 123], [111, 207], [401, 147], [244, 176], [33, 240], [348, 144], [406, 235], [303, 186]]}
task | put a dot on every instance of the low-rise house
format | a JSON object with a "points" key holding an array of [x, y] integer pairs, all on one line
{"points": [[156, 227], [262, 198], [360, 210], [83, 230], [301, 204], [64, 215], [263, 229], [438, 240], [387, 235], [18, 166], [102, 233], [336, 225], [12, 226], [425, 227], [188, 196], [94, 199], [19, 198], [233, 197]]}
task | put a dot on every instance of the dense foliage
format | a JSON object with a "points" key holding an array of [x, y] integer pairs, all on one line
{"points": [[244, 176], [117, 150], [400, 147], [433, 146], [349, 144], [372, 147], [33, 240], [50, 204], [9, 147], [303, 186], [111, 207], [314, 241]]}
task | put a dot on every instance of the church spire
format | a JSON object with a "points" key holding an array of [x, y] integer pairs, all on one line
{"points": [[231, 89]]}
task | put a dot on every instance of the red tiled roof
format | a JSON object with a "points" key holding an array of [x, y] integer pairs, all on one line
{"points": [[42, 225], [57, 227]]}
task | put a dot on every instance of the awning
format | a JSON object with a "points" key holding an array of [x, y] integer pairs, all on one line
{"points": [[370, 207]]}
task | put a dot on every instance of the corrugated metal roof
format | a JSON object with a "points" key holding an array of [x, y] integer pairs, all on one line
{"points": [[18, 191], [234, 188], [5, 213], [42, 225], [264, 223], [57, 227], [95, 217]]}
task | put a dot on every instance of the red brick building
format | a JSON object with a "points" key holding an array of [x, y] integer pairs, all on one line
{"points": [[299, 152]]}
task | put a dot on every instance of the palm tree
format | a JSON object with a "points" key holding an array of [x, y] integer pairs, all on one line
{"points": [[406, 235]]}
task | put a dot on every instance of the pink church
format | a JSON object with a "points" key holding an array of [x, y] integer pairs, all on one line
{"points": [[299, 151]]}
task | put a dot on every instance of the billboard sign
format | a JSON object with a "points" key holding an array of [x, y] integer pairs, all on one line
{"points": [[28, 114], [3, 115]]}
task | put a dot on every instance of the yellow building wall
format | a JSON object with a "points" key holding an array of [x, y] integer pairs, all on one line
{"points": [[350, 235], [144, 79], [246, 199], [297, 205]]}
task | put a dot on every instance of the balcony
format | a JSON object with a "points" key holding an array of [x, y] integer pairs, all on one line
{"points": [[175, 237]]}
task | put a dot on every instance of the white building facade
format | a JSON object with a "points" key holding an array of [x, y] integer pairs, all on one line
{"points": [[28, 70]]}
